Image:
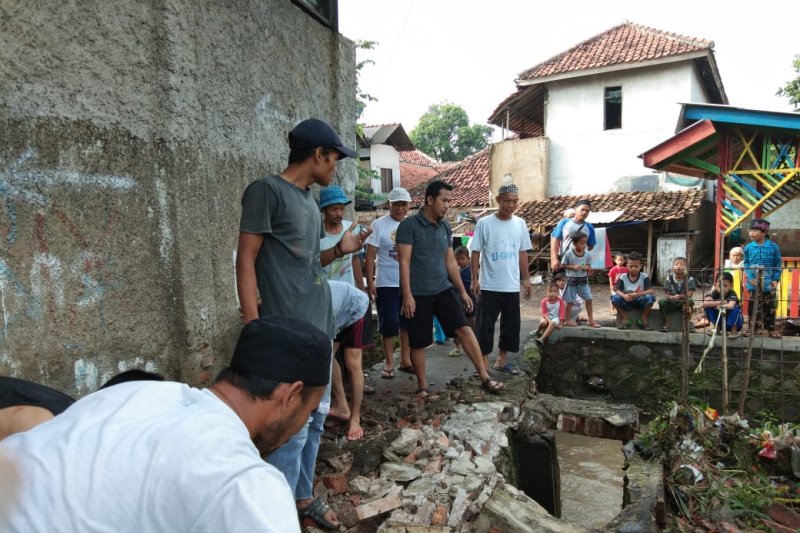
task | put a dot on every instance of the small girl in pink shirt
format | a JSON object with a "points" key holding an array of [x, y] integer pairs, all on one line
{"points": [[616, 271], [553, 313]]}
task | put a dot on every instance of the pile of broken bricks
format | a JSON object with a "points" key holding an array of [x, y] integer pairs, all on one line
{"points": [[440, 478]]}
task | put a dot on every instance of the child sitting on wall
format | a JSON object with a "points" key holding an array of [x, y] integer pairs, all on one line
{"points": [[733, 313], [553, 312], [616, 271], [633, 290], [677, 281]]}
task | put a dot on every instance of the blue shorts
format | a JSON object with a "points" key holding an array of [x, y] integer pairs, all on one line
{"points": [[388, 303], [638, 303], [582, 290]]}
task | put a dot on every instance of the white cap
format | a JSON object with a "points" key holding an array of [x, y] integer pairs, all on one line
{"points": [[399, 194]]}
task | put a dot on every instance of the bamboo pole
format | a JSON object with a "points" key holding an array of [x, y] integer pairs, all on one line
{"points": [[752, 327], [723, 319], [649, 247], [685, 318]]}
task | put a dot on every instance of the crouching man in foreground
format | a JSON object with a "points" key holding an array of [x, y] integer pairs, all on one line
{"points": [[162, 456]]}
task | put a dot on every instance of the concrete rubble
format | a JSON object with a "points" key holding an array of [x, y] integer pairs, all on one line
{"points": [[442, 480]]}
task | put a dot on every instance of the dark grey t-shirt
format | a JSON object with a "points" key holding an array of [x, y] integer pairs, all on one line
{"points": [[429, 244], [288, 272]]}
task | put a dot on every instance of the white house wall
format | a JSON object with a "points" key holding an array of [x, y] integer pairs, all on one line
{"points": [[586, 159], [384, 156]]}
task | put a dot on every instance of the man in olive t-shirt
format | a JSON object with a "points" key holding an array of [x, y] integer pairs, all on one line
{"points": [[279, 258]]}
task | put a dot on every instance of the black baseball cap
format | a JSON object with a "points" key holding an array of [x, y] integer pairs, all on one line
{"points": [[316, 133], [284, 349]]}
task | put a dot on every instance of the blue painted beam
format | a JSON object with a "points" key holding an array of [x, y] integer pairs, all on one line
{"points": [[724, 114]]}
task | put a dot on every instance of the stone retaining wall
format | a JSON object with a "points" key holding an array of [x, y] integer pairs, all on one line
{"points": [[643, 368]]}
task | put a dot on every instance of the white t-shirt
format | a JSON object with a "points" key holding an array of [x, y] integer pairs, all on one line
{"points": [[384, 232], [147, 456], [341, 268], [500, 242]]}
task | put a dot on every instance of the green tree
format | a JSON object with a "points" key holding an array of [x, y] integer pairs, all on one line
{"points": [[444, 133], [792, 88], [363, 98]]}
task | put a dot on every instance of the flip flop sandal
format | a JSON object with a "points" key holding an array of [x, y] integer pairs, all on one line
{"points": [[423, 393], [476, 375], [455, 352], [643, 325], [624, 325], [316, 511], [734, 335], [388, 373], [508, 369], [406, 369], [595, 325], [492, 387], [664, 329]]}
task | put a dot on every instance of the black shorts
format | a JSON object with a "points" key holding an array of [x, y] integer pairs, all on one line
{"points": [[359, 333], [446, 306], [390, 319]]}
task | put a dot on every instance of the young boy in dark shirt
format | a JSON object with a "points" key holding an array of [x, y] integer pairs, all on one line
{"points": [[733, 313], [462, 258]]}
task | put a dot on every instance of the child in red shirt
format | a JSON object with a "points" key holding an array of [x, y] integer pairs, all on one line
{"points": [[616, 271], [553, 313]]}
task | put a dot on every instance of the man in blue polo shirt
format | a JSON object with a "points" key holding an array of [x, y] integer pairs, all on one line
{"points": [[430, 285]]}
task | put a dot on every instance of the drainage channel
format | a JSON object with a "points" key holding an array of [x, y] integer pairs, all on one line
{"points": [[591, 479]]}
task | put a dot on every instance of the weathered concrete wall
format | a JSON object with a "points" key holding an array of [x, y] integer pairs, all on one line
{"points": [[526, 161], [128, 131], [643, 368]]}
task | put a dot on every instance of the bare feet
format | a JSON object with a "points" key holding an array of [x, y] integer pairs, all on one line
{"points": [[354, 430]]}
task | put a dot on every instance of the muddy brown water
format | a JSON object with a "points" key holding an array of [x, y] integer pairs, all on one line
{"points": [[591, 479]]}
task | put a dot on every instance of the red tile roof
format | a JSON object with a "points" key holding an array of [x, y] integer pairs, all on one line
{"points": [[469, 178], [635, 206], [413, 175], [418, 157], [417, 167], [626, 43]]}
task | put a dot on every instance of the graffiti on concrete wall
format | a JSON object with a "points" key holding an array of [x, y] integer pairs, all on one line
{"points": [[45, 287]]}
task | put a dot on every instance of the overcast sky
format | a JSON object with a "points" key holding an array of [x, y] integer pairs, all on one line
{"points": [[469, 52]]}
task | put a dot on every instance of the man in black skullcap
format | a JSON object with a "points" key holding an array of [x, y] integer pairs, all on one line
{"points": [[162, 456]]}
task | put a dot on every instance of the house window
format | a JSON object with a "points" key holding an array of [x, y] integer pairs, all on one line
{"points": [[613, 108], [325, 11], [387, 182]]}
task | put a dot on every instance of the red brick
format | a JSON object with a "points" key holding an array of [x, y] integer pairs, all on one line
{"points": [[439, 516], [412, 457], [336, 483]]}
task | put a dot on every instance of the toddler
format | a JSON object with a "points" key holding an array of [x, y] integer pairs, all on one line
{"points": [[553, 313], [616, 271]]}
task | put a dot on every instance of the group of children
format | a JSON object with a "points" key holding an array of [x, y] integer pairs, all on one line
{"points": [[632, 289]]}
